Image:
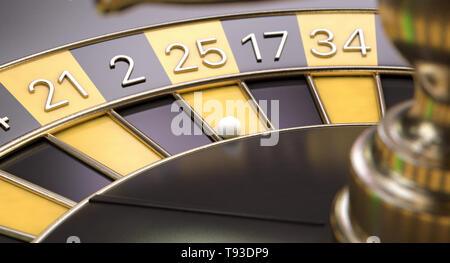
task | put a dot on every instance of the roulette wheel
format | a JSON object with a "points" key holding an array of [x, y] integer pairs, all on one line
{"points": [[219, 121]]}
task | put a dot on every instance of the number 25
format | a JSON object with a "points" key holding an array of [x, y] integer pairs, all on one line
{"points": [[203, 53]]}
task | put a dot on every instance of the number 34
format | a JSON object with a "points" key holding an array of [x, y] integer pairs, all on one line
{"points": [[328, 42]]}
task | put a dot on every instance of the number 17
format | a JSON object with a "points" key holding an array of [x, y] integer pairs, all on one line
{"points": [[257, 51]]}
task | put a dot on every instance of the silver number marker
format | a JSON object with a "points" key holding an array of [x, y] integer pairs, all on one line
{"points": [[73, 239], [66, 74], [179, 68], [126, 80], [4, 124], [326, 42], [283, 35], [204, 53], [254, 45], [48, 105], [373, 239], [362, 48]]}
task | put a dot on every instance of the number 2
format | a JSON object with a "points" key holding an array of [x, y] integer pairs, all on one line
{"points": [[179, 68], [126, 80], [48, 105]]}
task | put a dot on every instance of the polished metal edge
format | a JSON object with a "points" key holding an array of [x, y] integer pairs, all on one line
{"points": [[155, 146], [167, 90], [49, 195], [340, 219], [83, 157], [138, 30], [380, 93], [402, 147], [394, 189], [317, 100], [72, 211], [261, 114], [107, 199], [16, 234], [210, 132]]}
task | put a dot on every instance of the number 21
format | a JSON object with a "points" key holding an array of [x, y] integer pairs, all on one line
{"points": [[48, 105]]}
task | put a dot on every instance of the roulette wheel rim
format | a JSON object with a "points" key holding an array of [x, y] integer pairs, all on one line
{"points": [[241, 78]]}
